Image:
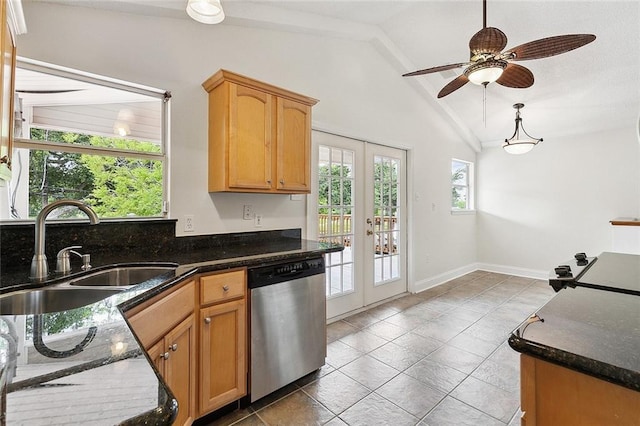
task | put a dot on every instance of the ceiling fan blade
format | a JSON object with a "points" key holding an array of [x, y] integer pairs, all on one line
{"points": [[434, 69], [516, 76], [487, 40], [453, 85], [549, 46]]}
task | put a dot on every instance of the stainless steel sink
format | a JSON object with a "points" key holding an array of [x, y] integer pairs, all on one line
{"points": [[81, 291], [122, 276], [51, 299]]}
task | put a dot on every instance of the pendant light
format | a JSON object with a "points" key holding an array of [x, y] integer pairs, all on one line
{"points": [[519, 144], [205, 11]]}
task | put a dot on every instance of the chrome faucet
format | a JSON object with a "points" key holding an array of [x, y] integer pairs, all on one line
{"points": [[39, 267]]}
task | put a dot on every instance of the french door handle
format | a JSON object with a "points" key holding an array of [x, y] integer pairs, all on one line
{"points": [[369, 232]]}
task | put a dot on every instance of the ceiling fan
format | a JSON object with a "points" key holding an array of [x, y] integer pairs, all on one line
{"points": [[488, 63]]}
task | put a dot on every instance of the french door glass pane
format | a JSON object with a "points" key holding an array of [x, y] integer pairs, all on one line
{"points": [[385, 223], [335, 209]]}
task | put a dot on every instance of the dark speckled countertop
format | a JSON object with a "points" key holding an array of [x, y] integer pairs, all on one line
{"points": [[111, 381], [592, 330]]}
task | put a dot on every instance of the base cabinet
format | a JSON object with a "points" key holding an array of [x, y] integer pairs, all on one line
{"points": [[165, 326], [174, 356], [554, 395], [223, 339], [223, 363], [196, 335]]}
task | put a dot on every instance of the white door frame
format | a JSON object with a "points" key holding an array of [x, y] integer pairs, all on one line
{"points": [[312, 217]]}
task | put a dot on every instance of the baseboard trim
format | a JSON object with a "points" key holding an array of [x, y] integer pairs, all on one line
{"points": [[444, 277], [489, 267], [514, 270]]}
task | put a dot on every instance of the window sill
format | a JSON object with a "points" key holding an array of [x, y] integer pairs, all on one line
{"points": [[462, 212]]}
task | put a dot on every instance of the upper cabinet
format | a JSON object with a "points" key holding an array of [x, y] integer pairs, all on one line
{"points": [[12, 25], [259, 136]]}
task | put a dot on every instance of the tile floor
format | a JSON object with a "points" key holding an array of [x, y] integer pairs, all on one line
{"points": [[438, 357]]}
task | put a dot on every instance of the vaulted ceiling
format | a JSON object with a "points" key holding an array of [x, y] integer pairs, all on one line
{"points": [[592, 89]]}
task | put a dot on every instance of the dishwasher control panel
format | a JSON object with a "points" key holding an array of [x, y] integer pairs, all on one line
{"points": [[285, 271]]}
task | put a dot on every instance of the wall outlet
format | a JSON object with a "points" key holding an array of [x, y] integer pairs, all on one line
{"points": [[188, 223], [258, 220], [247, 212]]}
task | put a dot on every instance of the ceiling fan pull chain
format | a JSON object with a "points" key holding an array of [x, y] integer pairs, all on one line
{"points": [[484, 105]]}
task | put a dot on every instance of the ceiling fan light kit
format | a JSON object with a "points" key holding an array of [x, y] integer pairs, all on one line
{"points": [[488, 63], [518, 144], [485, 72], [205, 11]]}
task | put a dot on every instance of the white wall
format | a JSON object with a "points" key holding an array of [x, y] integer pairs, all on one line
{"points": [[539, 209], [360, 96]]}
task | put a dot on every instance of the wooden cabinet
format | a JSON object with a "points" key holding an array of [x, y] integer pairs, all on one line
{"points": [[259, 136], [196, 336], [554, 395], [223, 339], [165, 327], [7, 78]]}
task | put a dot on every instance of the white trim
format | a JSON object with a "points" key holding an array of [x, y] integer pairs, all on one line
{"points": [[15, 16], [442, 278], [514, 270], [87, 77], [463, 212]]}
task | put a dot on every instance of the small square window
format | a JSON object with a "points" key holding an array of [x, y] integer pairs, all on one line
{"points": [[461, 185]]}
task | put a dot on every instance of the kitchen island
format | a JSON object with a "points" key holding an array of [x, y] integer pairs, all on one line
{"points": [[93, 369], [580, 361]]}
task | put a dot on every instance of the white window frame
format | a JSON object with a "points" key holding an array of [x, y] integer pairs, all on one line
{"points": [[469, 185], [73, 74]]}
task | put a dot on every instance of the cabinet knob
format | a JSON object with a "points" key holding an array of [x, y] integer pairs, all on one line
{"points": [[207, 320], [281, 181], [174, 347], [225, 287], [269, 181], [165, 356]]}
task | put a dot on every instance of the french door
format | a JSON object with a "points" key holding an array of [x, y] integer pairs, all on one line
{"points": [[360, 203]]}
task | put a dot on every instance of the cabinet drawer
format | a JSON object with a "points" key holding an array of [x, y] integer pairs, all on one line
{"points": [[222, 287], [153, 322]]}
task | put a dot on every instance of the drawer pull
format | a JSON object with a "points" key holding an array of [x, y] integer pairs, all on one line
{"points": [[225, 287], [174, 347], [207, 320], [165, 356]]}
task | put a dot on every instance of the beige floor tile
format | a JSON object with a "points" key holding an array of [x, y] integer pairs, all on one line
{"points": [[339, 354], [336, 391], [364, 341], [369, 372], [411, 394], [375, 410], [298, 408], [396, 356]]}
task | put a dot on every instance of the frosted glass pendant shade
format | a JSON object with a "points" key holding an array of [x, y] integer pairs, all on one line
{"points": [[205, 11]]}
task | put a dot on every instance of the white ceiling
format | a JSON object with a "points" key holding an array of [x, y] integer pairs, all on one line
{"points": [[591, 89]]}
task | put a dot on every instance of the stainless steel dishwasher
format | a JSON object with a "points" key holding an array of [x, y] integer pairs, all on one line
{"points": [[288, 323]]}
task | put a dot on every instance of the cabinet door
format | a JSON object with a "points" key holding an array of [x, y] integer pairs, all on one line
{"points": [[7, 67], [180, 369], [293, 146], [223, 364], [250, 133]]}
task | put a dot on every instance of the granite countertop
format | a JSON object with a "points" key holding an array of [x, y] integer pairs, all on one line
{"points": [[594, 330], [109, 380]]}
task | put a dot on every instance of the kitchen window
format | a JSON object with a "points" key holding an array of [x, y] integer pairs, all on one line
{"points": [[462, 186], [90, 138]]}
